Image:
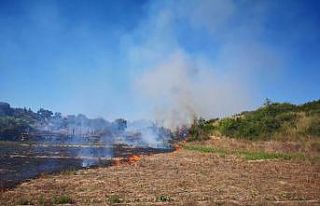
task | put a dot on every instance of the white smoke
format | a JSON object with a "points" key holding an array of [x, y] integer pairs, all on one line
{"points": [[181, 89], [179, 84]]}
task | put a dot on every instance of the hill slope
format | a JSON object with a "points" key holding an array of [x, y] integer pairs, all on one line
{"points": [[271, 121]]}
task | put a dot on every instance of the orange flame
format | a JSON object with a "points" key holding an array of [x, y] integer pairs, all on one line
{"points": [[130, 160], [133, 158], [177, 147]]}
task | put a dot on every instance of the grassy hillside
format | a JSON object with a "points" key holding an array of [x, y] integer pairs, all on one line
{"points": [[271, 121]]}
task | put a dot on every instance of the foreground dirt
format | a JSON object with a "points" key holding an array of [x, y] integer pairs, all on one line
{"points": [[179, 178]]}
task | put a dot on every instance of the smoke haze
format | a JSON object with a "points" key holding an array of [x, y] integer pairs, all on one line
{"points": [[180, 85], [166, 61]]}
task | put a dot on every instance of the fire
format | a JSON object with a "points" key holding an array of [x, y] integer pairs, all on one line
{"points": [[177, 147], [133, 158], [130, 160]]}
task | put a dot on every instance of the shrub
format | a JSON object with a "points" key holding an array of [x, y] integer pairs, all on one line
{"points": [[164, 198], [63, 199], [200, 130], [272, 121], [115, 199], [24, 201], [314, 127]]}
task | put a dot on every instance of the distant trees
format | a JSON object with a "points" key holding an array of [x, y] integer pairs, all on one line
{"points": [[11, 127], [14, 121], [57, 115], [120, 124], [44, 114], [5, 109]]}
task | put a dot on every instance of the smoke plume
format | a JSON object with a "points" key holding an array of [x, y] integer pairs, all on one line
{"points": [[180, 77]]}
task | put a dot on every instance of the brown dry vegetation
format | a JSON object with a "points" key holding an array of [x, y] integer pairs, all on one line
{"points": [[184, 177], [308, 147]]}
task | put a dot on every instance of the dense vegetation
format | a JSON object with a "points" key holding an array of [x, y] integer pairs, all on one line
{"points": [[271, 121], [15, 122], [23, 124]]}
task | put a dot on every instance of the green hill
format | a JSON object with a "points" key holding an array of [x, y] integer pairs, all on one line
{"points": [[280, 121]]}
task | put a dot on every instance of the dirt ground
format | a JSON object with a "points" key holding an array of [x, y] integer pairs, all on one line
{"points": [[180, 178]]}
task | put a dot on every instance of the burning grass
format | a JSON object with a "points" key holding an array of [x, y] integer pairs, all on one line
{"points": [[20, 162], [131, 159], [193, 175], [177, 147]]}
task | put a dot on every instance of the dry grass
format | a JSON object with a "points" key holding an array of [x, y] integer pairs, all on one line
{"points": [[309, 147], [180, 178]]}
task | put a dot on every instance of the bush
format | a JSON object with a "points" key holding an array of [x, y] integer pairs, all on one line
{"points": [[228, 127], [272, 120], [12, 127], [314, 127], [200, 130], [63, 199], [164, 198], [115, 199], [24, 201]]}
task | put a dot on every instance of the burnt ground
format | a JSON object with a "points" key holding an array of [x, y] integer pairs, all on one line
{"points": [[183, 177], [21, 162]]}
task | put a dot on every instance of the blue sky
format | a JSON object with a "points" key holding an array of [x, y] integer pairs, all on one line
{"points": [[112, 58]]}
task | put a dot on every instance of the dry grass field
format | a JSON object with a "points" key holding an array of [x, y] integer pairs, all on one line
{"points": [[192, 175]]}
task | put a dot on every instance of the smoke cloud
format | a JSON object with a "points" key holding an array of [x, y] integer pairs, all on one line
{"points": [[181, 89], [180, 77], [162, 60]]}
